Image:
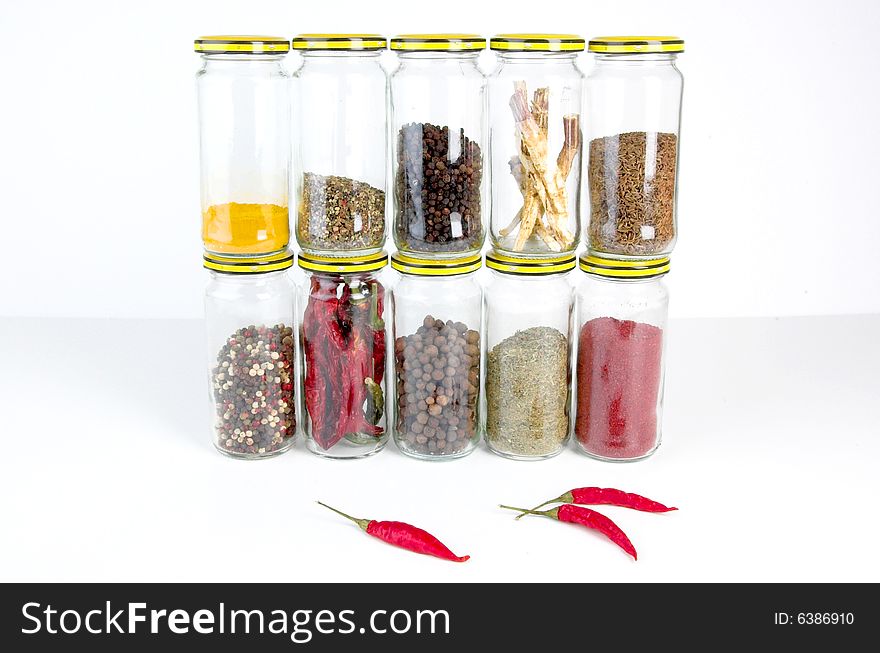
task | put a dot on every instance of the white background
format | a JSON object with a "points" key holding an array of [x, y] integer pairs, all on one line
{"points": [[771, 438]]}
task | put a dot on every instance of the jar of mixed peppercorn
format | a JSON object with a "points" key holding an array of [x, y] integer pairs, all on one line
{"points": [[342, 339], [622, 309], [249, 312], [437, 307], [438, 144], [529, 310]]}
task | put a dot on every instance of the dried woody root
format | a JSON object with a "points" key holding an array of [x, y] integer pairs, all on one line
{"points": [[544, 212]]}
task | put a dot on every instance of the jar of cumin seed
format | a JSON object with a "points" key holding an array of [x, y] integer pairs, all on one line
{"points": [[437, 308], [529, 308], [249, 314], [439, 147], [339, 99], [633, 101]]}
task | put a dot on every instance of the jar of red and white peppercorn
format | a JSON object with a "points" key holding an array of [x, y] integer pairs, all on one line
{"points": [[437, 307], [438, 149], [529, 320], [622, 310], [342, 339], [249, 313]]}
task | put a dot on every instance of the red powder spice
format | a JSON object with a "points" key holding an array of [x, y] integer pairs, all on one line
{"points": [[618, 376]]}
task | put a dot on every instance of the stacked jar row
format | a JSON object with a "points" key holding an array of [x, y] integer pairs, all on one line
{"points": [[434, 359], [445, 145]]}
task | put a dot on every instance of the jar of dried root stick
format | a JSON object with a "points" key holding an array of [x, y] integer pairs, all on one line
{"points": [[437, 308], [244, 127], [536, 123], [340, 93], [343, 345], [529, 308], [437, 115], [622, 313], [634, 107], [249, 313]]}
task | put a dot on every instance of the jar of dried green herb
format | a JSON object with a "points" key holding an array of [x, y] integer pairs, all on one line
{"points": [[340, 93], [633, 101], [529, 305], [438, 129], [249, 313], [437, 309]]}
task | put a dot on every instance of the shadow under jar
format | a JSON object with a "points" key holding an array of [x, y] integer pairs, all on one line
{"points": [[634, 106], [244, 135], [622, 315], [536, 120], [438, 126], [249, 315], [340, 98], [437, 308], [527, 391], [343, 353]]}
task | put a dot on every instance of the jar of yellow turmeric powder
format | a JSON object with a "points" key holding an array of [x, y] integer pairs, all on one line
{"points": [[244, 124]]}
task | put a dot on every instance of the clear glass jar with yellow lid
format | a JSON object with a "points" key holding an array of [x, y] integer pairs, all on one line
{"points": [[437, 308], [342, 337], [527, 391], [633, 100], [536, 119], [438, 160], [340, 144], [244, 134], [249, 314]]}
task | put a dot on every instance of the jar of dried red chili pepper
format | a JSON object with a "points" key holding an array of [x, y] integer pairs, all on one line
{"points": [[438, 310], [343, 354], [249, 313], [529, 311], [622, 314]]}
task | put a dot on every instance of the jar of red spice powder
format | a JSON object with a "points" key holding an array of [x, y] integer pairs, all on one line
{"points": [[249, 313], [342, 338], [622, 314]]}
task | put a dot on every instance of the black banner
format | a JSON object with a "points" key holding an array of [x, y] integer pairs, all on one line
{"points": [[287, 617]]}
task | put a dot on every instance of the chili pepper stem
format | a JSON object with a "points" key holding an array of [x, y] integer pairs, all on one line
{"points": [[544, 513], [362, 523], [562, 498]]}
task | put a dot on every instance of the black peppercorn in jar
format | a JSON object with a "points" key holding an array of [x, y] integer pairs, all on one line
{"points": [[249, 313], [437, 309], [437, 115]]}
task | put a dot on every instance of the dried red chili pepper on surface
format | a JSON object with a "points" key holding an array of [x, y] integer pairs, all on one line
{"points": [[589, 518], [404, 535], [609, 497]]}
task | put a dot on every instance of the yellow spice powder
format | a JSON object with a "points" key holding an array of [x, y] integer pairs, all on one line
{"points": [[235, 228]]}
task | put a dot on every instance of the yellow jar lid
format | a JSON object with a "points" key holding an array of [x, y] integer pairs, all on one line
{"points": [[340, 42], [438, 42], [249, 264], [636, 44], [242, 45], [537, 43], [342, 264], [530, 266], [621, 270], [425, 267]]}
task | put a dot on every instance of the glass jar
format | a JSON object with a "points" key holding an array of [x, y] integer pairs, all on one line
{"points": [[244, 126], [535, 119], [634, 108], [438, 310], [343, 354], [340, 151], [527, 391], [438, 126], [622, 310], [249, 314]]}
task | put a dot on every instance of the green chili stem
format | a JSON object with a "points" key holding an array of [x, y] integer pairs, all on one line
{"points": [[363, 523], [526, 511]]}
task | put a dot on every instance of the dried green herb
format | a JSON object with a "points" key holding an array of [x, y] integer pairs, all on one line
{"points": [[527, 393]]}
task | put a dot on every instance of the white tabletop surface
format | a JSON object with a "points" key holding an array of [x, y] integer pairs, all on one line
{"points": [[771, 450]]}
